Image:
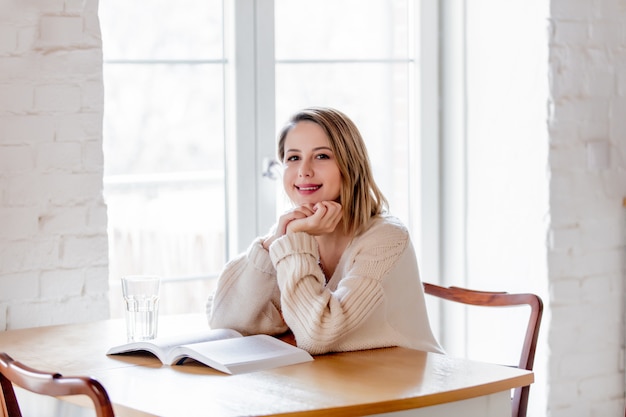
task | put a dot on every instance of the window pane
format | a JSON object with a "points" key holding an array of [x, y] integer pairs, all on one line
{"points": [[161, 29], [164, 167], [163, 118], [375, 97], [361, 65], [341, 29], [164, 146]]}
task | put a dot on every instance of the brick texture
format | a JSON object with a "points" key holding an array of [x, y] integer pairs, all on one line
{"points": [[53, 242], [587, 184]]}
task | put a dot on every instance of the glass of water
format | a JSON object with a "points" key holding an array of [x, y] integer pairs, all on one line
{"points": [[141, 293]]}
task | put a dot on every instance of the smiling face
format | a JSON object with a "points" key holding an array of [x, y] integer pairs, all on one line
{"points": [[311, 172]]}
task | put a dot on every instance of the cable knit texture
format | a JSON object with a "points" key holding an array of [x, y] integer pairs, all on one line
{"points": [[374, 299]]}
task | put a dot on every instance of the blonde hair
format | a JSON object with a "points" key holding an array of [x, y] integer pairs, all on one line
{"points": [[360, 197]]}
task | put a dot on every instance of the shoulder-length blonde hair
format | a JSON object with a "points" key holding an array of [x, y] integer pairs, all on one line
{"points": [[360, 197]]}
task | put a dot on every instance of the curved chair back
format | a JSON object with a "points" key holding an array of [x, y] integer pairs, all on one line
{"points": [[502, 299], [46, 383]]}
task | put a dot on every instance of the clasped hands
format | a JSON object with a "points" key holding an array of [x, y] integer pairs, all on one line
{"points": [[315, 219]]}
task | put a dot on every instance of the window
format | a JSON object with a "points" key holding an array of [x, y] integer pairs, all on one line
{"points": [[164, 68], [194, 94]]}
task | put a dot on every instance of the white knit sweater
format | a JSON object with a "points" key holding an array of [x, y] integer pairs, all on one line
{"points": [[374, 299]]}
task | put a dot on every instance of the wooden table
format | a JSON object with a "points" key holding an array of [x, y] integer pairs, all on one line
{"points": [[391, 380]]}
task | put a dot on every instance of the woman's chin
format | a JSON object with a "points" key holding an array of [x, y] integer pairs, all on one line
{"points": [[299, 200]]}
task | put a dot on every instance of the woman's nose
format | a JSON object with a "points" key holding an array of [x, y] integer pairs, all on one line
{"points": [[305, 169]]}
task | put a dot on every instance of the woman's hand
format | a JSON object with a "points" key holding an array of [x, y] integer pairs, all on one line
{"points": [[324, 219], [300, 212], [315, 219]]}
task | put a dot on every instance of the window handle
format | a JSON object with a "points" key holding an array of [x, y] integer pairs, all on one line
{"points": [[271, 168]]}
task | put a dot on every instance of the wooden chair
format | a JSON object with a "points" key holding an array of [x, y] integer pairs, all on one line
{"points": [[45, 383], [502, 299]]}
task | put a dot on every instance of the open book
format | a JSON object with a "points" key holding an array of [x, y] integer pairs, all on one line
{"points": [[222, 349]]}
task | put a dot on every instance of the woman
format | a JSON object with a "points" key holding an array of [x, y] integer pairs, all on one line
{"points": [[335, 270]]}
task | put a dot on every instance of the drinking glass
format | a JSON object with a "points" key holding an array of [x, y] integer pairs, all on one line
{"points": [[141, 293]]}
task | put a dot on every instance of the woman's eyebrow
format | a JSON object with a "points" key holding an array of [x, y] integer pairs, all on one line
{"points": [[319, 148]]}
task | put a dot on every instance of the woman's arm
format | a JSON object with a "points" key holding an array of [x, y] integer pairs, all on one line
{"points": [[247, 298], [318, 316]]}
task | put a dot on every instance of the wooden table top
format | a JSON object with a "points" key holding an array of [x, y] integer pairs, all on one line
{"points": [[351, 383]]}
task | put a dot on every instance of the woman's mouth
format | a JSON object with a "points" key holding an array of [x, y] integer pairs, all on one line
{"points": [[308, 187]]}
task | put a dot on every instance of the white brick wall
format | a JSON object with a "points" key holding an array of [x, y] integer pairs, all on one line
{"points": [[586, 248], [53, 243]]}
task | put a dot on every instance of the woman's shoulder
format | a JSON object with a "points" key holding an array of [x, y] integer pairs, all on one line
{"points": [[378, 249], [385, 228], [387, 222]]}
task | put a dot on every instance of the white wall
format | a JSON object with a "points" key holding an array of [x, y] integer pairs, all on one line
{"points": [[587, 125], [53, 248], [53, 245]]}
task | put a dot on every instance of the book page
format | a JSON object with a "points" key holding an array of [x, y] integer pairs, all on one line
{"points": [[160, 346], [243, 354]]}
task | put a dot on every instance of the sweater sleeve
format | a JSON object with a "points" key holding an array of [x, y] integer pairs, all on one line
{"points": [[318, 316], [247, 298]]}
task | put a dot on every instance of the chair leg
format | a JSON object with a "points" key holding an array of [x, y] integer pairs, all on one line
{"points": [[10, 407]]}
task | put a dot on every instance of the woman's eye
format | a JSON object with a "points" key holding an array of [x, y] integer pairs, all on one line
{"points": [[323, 156], [292, 158]]}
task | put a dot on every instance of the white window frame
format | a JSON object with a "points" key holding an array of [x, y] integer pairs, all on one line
{"points": [[426, 199], [250, 197], [453, 171], [251, 200]]}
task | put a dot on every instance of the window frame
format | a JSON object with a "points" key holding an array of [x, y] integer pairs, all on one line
{"points": [[251, 197], [250, 131]]}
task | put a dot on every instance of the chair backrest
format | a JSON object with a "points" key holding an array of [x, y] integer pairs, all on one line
{"points": [[502, 299], [46, 383]]}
